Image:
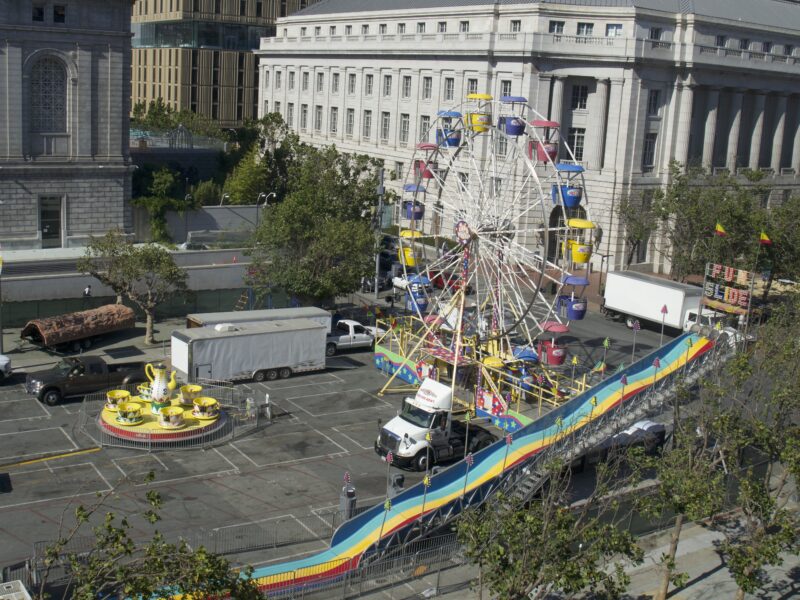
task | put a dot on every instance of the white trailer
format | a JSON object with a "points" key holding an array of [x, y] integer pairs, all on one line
{"points": [[259, 351], [319, 315], [630, 295]]}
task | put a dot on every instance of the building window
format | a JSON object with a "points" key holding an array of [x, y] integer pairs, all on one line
{"points": [[364, 29], [585, 29], [653, 102], [556, 27], [516, 26], [278, 107], [386, 121], [290, 114], [655, 33], [463, 26], [348, 30], [398, 170], [335, 84], [320, 82], [351, 83], [242, 8], [38, 13], [266, 80], [575, 140], [387, 85], [501, 147], [291, 80], [472, 86], [266, 107], [766, 47], [405, 124], [721, 41], [382, 28], [49, 96], [303, 117], [427, 88], [580, 94], [420, 27], [350, 122], [366, 125], [788, 50], [505, 87], [744, 44], [59, 13], [649, 151], [424, 125], [368, 85], [303, 31], [332, 30], [401, 28], [333, 121], [449, 88], [304, 84], [614, 30], [441, 27], [317, 118], [406, 86], [318, 31]]}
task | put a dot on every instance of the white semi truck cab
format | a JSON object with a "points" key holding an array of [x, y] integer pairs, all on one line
{"points": [[429, 412]]}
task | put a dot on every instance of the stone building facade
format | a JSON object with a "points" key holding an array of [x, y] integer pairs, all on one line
{"points": [[633, 83], [64, 148]]}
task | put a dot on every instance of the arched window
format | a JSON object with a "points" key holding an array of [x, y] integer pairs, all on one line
{"points": [[49, 96]]}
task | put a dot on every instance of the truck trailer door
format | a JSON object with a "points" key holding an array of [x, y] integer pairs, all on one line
{"points": [[202, 372]]}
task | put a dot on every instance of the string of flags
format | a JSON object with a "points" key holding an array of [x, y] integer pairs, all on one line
{"points": [[763, 238]]}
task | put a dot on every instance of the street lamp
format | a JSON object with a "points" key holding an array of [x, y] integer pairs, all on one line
{"points": [[266, 198], [223, 198]]}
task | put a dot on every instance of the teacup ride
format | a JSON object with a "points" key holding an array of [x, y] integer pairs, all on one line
{"points": [[129, 414], [171, 417], [205, 408], [189, 392], [116, 397]]}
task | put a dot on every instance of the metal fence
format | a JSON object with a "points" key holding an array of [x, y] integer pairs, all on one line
{"points": [[240, 415]]}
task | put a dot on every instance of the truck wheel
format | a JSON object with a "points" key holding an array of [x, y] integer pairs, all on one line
{"points": [[260, 376], [272, 374], [285, 373], [330, 349], [51, 397], [421, 461]]}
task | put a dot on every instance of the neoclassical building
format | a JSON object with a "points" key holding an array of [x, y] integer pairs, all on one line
{"points": [[633, 83], [65, 97]]}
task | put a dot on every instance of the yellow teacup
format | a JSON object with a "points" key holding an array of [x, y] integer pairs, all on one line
{"points": [[114, 397], [170, 417], [205, 407], [190, 391], [130, 411], [144, 390]]}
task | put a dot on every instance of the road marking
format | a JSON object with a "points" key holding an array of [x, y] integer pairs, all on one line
{"points": [[69, 438], [232, 445], [253, 522], [100, 475], [60, 450], [327, 437], [280, 388], [341, 433], [225, 458], [338, 412], [51, 470], [293, 461], [176, 479], [161, 462]]}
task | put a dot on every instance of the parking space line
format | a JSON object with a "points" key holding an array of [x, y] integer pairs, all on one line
{"points": [[18, 456], [161, 462], [341, 433], [232, 445], [223, 457], [69, 438], [100, 475], [338, 412], [254, 522], [51, 470], [187, 477], [327, 437], [290, 387]]}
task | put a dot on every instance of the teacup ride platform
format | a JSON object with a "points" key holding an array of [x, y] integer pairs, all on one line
{"points": [[183, 417]]}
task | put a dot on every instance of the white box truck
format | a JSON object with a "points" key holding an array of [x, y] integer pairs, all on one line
{"points": [[320, 315], [260, 351], [630, 296]]}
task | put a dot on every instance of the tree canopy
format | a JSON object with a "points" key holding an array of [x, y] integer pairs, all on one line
{"points": [[144, 274]]}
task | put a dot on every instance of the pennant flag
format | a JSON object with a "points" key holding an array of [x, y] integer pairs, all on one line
{"points": [[378, 312], [657, 363], [623, 380], [593, 401], [574, 360], [387, 506], [426, 481], [637, 326], [509, 439], [389, 457], [607, 343], [469, 459], [764, 240], [720, 230], [620, 368], [599, 367], [347, 477]]}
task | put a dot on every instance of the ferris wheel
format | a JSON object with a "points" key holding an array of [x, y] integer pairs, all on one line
{"points": [[492, 224]]}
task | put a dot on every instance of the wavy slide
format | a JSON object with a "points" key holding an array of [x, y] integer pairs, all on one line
{"points": [[358, 535]]}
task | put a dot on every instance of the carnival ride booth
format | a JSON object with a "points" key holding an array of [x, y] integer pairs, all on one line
{"points": [[488, 190]]}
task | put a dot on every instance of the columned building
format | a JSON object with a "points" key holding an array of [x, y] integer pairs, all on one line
{"points": [[633, 83], [65, 95], [198, 54]]}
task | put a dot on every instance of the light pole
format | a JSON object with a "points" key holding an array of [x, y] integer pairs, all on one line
{"points": [[223, 198], [266, 198]]}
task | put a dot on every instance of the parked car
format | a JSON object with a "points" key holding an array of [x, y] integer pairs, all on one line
{"points": [[80, 376], [5, 367], [348, 334]]}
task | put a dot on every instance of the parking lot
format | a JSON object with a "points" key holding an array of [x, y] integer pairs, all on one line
{"points": [[290, 469]]}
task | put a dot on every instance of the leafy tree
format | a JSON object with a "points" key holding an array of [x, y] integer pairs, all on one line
{"points": [[144, 274], [162, 197], [318, 242], [207, 193], [119, 567], [248, 180], [159, 117], [527, 551], [640, 222]]}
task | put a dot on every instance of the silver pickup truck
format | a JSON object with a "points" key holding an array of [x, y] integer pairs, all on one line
{"points": [[350, 334]]}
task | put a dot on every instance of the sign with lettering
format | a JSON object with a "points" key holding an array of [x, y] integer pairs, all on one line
{"points": [[727, 289]]}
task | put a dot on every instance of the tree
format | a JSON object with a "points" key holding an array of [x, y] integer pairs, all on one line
{"points": [[117, 566], [161, 199], [146, 275], [637, 216], [527, 551], [159, 117], [248, 180], [318, 242], [207, 193]]}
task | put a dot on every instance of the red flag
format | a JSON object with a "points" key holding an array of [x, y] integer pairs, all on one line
{"points": [[764, 239], [720, 230]]}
